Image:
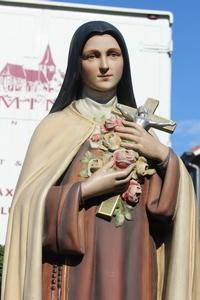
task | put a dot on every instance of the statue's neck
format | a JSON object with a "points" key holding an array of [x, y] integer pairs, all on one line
{"points": [[93, 106], [98, 96]]}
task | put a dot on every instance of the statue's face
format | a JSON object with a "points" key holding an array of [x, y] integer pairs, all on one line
{"points": [[101, 63]]}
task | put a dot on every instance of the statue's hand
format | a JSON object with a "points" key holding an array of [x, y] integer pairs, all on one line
{"points": [[142, 141], [106, 180]]}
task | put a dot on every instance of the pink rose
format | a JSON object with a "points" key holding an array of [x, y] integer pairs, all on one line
{"points": [[112, 122], [95, 137], [133, 192], [124, 158]]}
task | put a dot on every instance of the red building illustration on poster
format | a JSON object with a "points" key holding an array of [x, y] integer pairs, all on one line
{"points": [[18, 78], [47, 65]]}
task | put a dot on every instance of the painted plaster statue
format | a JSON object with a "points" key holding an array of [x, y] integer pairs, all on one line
{"points": [[81, 155]]}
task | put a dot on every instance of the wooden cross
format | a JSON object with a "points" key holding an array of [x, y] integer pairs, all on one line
{"points": [[145, 117]]}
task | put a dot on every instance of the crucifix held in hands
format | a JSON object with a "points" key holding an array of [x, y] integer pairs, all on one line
{"points": [[145, 117]]}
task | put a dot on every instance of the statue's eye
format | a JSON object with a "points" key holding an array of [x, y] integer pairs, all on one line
{"points": [[91, 55], [114, 53]]}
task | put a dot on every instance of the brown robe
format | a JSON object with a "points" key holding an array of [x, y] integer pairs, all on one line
{"points": [[48, 156], [87, 258]]}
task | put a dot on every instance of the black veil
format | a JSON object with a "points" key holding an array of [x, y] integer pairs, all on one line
{"points": [[72, 85]]}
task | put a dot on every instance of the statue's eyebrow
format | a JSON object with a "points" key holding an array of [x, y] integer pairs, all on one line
{"points": [[118, 50], [97, 52]]}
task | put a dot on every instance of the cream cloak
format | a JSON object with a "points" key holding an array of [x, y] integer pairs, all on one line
{"points": [[54, 144]]}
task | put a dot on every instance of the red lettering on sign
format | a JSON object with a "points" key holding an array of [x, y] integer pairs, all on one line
{"points": [[28, 103], [49, 104], [7, 192], [14, 122], [32, 101], [18, 163], [4, 210], [9, 102]]}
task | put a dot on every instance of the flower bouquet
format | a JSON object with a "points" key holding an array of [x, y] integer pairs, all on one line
{"points": [[106, 139]]}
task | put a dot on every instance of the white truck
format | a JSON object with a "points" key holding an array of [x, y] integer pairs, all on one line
{"points": [[34, 37]]}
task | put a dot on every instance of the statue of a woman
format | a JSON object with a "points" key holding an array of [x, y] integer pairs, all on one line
{"points": [[56, 247]]}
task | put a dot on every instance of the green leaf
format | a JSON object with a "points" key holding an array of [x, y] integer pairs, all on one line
{"points": [[87, 157], [119, 219], [128, 214], [116, 211], [83, 173]]}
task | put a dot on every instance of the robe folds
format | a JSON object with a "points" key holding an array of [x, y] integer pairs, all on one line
{"points": [[172, 253]]}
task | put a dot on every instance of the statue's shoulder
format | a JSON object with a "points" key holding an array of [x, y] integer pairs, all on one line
{"points": [[61, 119]]}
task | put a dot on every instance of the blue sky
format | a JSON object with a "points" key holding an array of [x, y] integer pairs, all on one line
{"points": [[185, 64]]}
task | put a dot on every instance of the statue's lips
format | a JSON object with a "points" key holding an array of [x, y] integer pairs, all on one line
{"points": [[104, 77]]}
